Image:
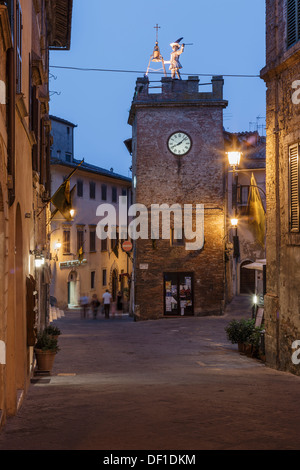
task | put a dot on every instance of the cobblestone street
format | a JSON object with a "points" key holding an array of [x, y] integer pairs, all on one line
{"points": [[154, 385]]}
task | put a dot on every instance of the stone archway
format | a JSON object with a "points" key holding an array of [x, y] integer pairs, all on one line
{"points": [[114, 281], [73, 289], [20, 328], [247, 278]]}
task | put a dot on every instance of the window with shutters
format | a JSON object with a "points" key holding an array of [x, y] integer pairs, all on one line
{"points": [[294, 188], [92, 190], [92, 239], [80, 238], [293, 22], [79, 188], [19, 27], [66, 241]]}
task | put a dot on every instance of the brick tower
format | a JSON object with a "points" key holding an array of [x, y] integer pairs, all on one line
{"points": [[170, 280]]}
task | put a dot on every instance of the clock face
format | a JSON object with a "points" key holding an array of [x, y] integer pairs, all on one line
{"points": [[179, 143]]}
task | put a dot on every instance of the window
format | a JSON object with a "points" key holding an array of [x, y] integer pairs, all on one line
{"points": [[19, 28], [104, 277], [80, 238], [177, 237], [79, 188], [104, 245], [68, 157], [114, 194], [92, 239], [103, 192], [124, 192], [293, 22], [66, 242], [243, 195], [92, 190], [294, 186], [93, 275]]}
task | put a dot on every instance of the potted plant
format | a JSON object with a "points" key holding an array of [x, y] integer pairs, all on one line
{"points": [[239, 331], [255, 340], [53, 331], [45, 350]]}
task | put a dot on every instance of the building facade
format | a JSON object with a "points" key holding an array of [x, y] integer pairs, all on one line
{"points": [[82, 263], [28, 30], [248, 247], [282, 77], [178, 159]]}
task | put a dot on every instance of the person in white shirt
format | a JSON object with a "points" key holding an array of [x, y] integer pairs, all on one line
{"points": [[106, 300]]}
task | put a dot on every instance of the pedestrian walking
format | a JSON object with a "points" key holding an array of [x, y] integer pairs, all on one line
{"points": [[106, 300], [84, 302], [95, 304]]}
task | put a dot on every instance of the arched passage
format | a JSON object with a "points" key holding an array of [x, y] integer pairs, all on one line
{"points": [[20, 330], [247, 279]]}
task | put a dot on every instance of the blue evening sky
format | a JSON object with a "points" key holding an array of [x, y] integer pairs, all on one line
{"points": [[228, 38]]}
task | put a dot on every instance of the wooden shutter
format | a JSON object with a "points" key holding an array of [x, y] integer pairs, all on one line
{"points": [[294, 187], [291, 22]]}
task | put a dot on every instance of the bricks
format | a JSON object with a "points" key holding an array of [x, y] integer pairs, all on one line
{"points": [[195, 178]]}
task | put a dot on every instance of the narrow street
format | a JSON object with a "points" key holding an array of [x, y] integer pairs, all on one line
{"points": [[156, 385]]}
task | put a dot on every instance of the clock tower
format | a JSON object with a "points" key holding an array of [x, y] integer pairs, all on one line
{"points": [[178, 158]]}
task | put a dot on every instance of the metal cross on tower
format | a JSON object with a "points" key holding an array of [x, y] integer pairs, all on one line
{"points": [[156, 55]]}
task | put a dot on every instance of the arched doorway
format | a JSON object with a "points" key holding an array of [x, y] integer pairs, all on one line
{"points": [[114, 284], [247, 279], [20, 332], [73, 289]]}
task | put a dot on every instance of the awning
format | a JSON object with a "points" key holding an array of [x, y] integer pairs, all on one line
{"points": [[258, 265]]}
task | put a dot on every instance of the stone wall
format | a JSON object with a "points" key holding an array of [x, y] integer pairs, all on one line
{"points": [[282, 302]]}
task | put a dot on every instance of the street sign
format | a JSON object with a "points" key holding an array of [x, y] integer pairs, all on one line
{"points": [[127, 246]]}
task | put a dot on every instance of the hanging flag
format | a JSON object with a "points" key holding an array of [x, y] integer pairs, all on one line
{"points": [[80, 254], [256, 212], [62, 198]]}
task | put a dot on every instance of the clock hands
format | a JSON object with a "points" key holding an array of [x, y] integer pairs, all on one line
{"points": [[179, 143]]}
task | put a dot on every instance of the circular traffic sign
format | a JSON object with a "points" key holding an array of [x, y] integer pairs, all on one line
{"points": [[127, 245]]}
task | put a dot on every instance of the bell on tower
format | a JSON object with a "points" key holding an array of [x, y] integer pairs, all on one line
{"points": [[156, 56]]}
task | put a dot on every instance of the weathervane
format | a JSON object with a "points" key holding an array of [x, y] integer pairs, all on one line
{"points": [[156, 55], [175, 65]]}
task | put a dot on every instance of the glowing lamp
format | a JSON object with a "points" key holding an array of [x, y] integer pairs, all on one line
{"points": [[234, 158], [72, 212], [39, 261], [234, 223]]}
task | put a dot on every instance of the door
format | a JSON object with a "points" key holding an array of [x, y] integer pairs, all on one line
{"points": [[178, 294], [247, 279]]}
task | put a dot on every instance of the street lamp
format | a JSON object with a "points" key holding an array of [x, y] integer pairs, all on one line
{"points": [[72, 213], [234, 223], [57, 247]]}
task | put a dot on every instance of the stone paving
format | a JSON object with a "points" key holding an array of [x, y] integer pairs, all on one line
{"points": [[170, 384]]}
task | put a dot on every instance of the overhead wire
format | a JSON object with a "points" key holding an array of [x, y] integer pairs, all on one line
{"points": [[87, 69]]}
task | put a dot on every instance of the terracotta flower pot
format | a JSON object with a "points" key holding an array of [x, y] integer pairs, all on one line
{"points": [[44, 359]]}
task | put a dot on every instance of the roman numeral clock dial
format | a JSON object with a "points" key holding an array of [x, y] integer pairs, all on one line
{"points": [[179, 143]]}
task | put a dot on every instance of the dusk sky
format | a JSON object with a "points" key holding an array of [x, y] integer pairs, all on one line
{"points": [[228, 39]]}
